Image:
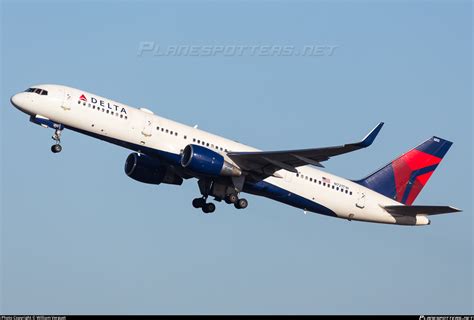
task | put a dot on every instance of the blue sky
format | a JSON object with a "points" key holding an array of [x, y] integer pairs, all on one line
{"points": [[78, 236]]}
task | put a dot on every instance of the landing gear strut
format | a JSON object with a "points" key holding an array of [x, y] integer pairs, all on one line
{"points": [[55, 148]]}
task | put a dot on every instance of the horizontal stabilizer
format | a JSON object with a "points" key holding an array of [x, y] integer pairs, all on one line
{"points": [[414, 210]]}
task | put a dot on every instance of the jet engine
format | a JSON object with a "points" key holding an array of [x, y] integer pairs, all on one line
{"points": [[150, 170], [207, 162]]}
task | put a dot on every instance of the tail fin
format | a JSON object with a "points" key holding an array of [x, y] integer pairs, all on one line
{"points": [[404, 177]]}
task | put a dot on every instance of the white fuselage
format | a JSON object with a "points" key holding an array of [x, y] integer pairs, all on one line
{"points": [[108, 119]]}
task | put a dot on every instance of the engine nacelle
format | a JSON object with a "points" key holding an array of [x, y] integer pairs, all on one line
{"points": [[207, 162], [149, 170]]}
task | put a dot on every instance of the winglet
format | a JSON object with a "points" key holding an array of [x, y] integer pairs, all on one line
{"points": [[369, 139]]}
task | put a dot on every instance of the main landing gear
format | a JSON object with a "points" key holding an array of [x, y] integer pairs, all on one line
{"points": [[209, 207], [55, 148], [241, 204], [238, 203], [206, 207], [220, 192]]}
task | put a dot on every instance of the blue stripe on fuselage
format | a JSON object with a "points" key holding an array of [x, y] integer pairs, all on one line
{"points": [[268, 190]]}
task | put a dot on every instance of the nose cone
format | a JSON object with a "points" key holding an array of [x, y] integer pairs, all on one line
{"points": [[18, 100]]}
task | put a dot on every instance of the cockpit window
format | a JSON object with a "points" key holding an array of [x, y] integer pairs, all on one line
{"points": [[38, 91]]}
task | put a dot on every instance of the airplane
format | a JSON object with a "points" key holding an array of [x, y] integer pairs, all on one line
{"points": [[168, 152]]}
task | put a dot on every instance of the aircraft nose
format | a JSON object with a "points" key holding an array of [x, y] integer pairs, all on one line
{"points": [[17, 99]]}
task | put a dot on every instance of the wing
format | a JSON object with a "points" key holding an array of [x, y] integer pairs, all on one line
{"points": [[266, 163], [414, 210]]}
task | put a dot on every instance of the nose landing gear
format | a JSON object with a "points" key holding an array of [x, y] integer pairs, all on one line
{"points": [[55, 148]]}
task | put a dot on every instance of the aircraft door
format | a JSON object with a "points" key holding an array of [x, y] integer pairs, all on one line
{"points": [[361, 200], [147, 130], [67, 100]]}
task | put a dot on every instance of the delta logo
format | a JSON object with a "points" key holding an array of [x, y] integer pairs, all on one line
{"points": [[104, 104]]}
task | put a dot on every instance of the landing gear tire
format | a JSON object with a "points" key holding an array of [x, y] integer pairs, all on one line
{"points": [[199, 203], [209, 208], [231, 198], [241, 204], [55, 148]]}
